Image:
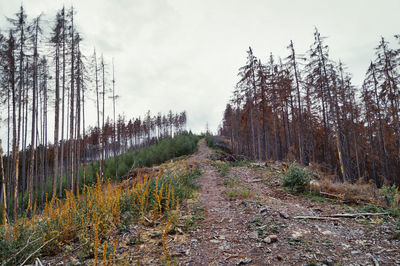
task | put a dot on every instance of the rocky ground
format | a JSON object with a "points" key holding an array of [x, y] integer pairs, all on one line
{"points": [[248, 218]]}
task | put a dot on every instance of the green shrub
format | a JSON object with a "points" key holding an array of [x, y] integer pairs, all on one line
{"points": [[210, 141], [392, 197], [241, 163], [164, 150], [122, 168], [158, 153], [371, 208], [296, 178]]}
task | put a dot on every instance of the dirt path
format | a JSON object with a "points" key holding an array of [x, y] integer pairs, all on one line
{"points": [[248, 219], [222, 237]]}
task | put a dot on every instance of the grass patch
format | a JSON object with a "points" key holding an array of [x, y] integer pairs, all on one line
{"points": [[191, 222], [275, 229], [232, 193], [257, 222], [222, 167], [371, 208], [296, 242], [238, 193], [230, 181], [396, 235]]}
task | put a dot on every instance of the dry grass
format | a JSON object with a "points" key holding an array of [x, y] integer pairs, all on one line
{"points": [[92, 217], [357, 193]]}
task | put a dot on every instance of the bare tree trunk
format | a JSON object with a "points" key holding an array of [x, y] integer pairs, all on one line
{"points": [[300, 120], [26, 131], [23, 152], [39, 141], [256, 112], [393, 98], [71, 122], [339, 142], [3, 183], [356, 152], [8, 144], [250, 102], [84, 132], [18, 133], [78, 114], [62, 108], [371, 150], [294, 135], [103, 135], [380, 132], [264, 123], [113, 96], [99, 147], [33, 137], [285, 117], [56, 121], [44, 131], [239, 145]]}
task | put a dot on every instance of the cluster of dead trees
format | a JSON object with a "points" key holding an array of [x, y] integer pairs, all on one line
{"points": [[305, 108], [43, 71], [132, 134]]}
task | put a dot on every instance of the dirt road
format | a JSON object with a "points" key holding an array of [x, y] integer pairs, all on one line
{"points": [[249, 219]]}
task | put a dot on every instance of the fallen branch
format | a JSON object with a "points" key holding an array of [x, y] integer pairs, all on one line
{"points": [[22, 249], [330, 195], [38, 262], [375, 261], [335, 217], [355, 215], [254, 180], [317, 218], [342, 198], [71, 251], [39, 248]]}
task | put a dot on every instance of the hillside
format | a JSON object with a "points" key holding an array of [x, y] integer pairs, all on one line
{"points": [[250, 218], [199, 132], [240, 214]]}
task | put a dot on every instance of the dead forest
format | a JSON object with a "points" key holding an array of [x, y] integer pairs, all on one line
{"points": [[304, 168], [306, 108], [47, 85]]}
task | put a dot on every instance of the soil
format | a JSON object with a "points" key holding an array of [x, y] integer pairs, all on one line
{"points": [[256, 226]]}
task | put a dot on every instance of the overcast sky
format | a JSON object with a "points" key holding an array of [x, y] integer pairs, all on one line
{"points": [[185, 55]]}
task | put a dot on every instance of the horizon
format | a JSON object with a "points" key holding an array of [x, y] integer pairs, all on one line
{"points": [[183, 55]]}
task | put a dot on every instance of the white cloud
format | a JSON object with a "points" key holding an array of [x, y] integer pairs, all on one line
{"points": [[184, 55]]}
